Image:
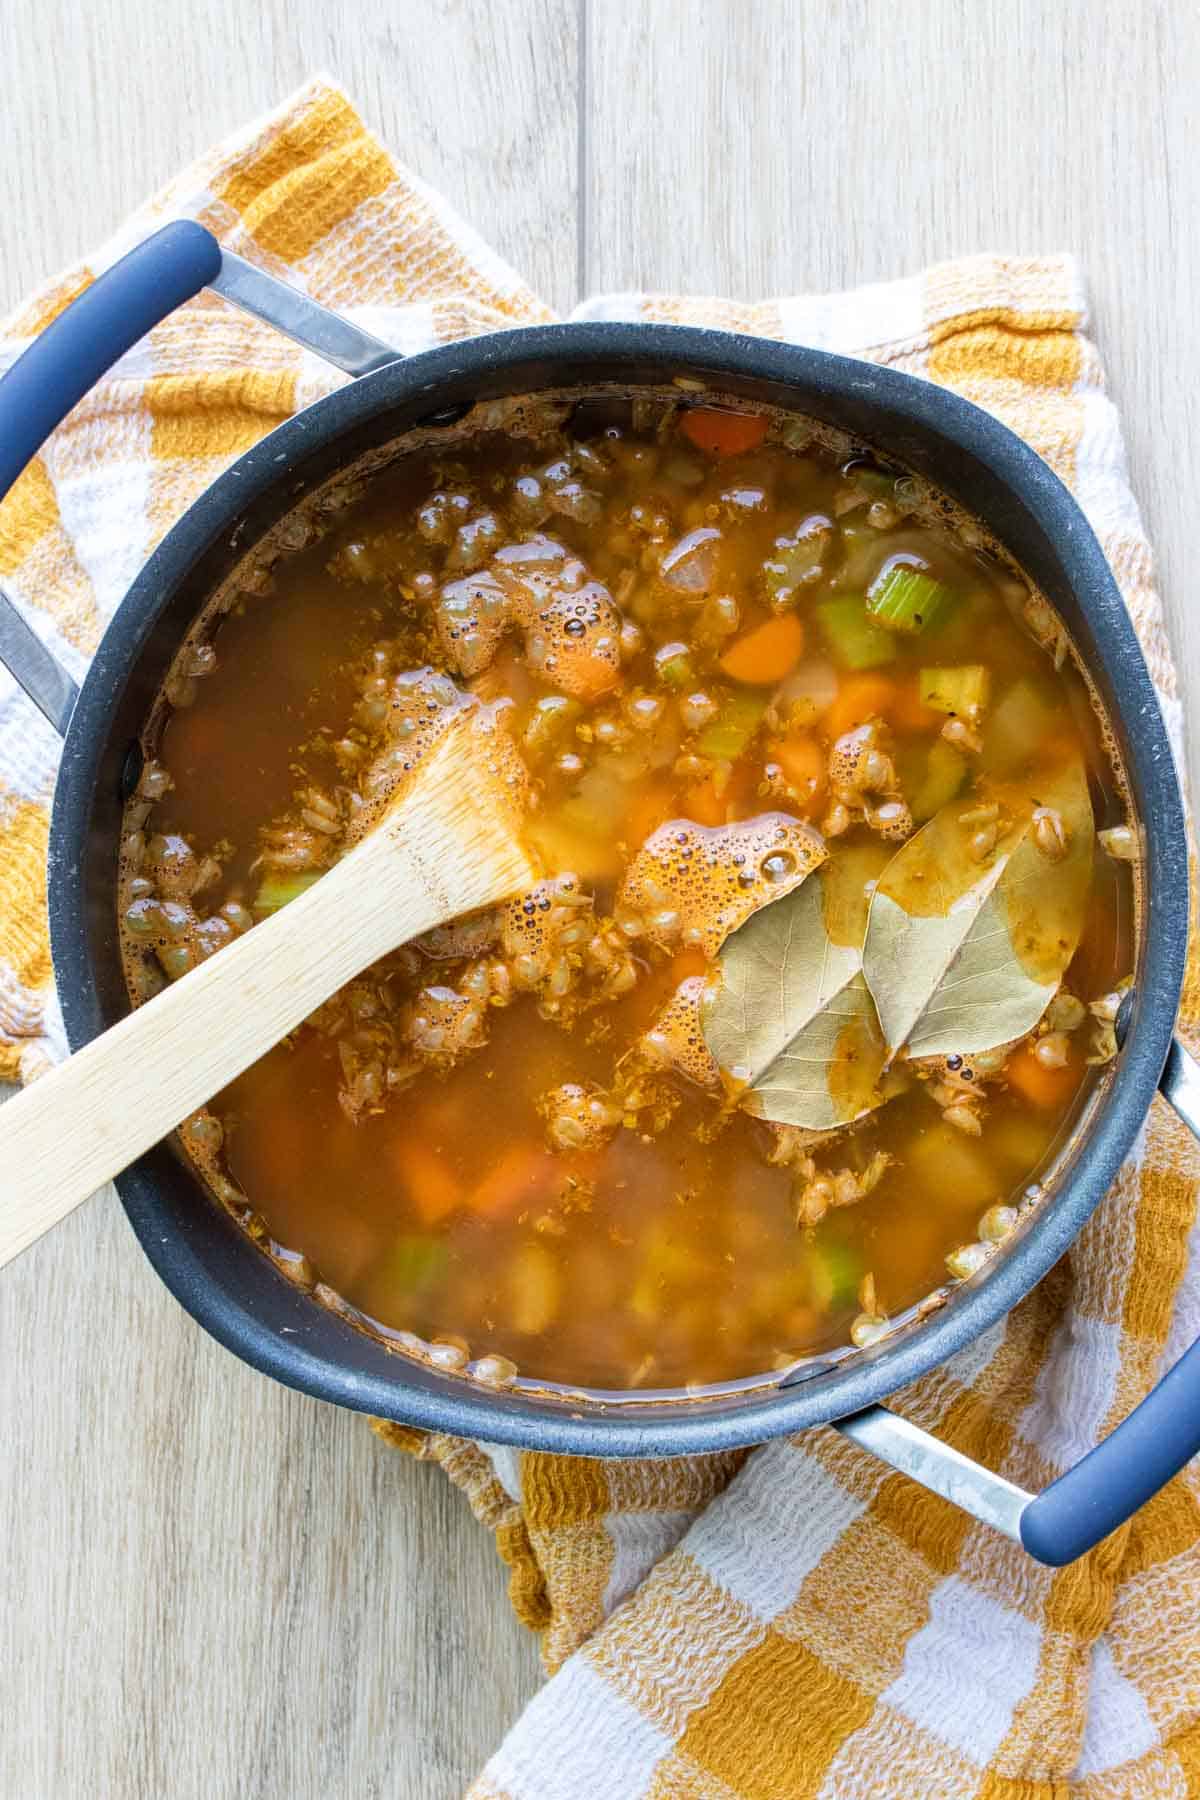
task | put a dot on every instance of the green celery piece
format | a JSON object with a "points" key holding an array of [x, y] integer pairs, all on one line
{"points": [[414, 1262], [876, 482], [550, 720], [945, 772], [734, 726], [793, 562], [962, 690], [675, 669], [856, 641], [907, 599], [836, 1271], [275, 891]]}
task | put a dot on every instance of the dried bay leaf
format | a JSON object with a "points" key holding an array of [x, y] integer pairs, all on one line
{"points": [[961, 959], [792, 1017]]}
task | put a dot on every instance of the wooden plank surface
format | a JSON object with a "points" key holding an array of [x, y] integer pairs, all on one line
{"points": [[213, 1587], [810, 147]]}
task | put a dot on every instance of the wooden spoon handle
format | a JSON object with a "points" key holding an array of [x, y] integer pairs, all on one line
{"points": [[75, 1128]]}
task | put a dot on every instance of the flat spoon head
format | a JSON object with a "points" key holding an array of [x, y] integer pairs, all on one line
{"points": [[441, 840]]}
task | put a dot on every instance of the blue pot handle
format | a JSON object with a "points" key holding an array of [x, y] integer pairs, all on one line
{"points": [[1148, 1448], [86, 339], [1112, 1481], [107, 319], [1108, 1485]]}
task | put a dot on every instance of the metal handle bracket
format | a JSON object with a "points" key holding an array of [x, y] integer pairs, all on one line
{"points": [[1108, 1485]]}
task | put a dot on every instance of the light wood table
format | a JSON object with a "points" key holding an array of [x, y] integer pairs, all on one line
{"points": [[214, 1588]]}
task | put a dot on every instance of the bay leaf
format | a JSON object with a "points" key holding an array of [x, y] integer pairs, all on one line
{"points": [[961, 959], [792, 1017]]}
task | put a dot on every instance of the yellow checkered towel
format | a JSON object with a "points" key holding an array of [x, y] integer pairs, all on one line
{"points": [[794, 1621]]}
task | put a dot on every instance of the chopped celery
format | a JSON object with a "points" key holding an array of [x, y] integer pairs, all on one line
{"points": [[856, 528], [796, 560], [413, 1262], [1022, 717], [275, 891], [876, 482], [943, 776], [908, 599], [835, 1271], [856, 641], [734, 726], [549, 721], [674, 666], [963, 690]]}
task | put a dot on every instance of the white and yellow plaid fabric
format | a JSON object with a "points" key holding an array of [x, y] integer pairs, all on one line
{"points": [[794, 1621]]}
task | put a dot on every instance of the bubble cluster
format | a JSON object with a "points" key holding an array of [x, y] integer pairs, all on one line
{"points": [[575, 642], [472, 615], [441, 1025], [677, 1036], [570, 624], [697, 883], [579, 1115]]}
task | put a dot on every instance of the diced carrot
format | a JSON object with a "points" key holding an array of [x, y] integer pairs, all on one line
{"points": [[803, 763], [768, 653], [704, 804], [860, 698], [593, 677], [741, 789], [1042, 1087], [728, 793], [520, 1175], [908, 714], [430, 1188], [652, 807], [722, 433]]}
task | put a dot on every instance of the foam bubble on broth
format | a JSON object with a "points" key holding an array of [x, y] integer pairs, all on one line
{"points": [[701, 882]]}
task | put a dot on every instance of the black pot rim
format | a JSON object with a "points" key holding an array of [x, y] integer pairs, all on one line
{"points": [[450, 1404]]}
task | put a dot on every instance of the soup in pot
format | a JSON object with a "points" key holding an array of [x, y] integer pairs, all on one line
{"points": [[838, 892]]}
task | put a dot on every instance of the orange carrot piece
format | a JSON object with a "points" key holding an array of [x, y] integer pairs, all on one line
{"points": [[520, 1175], [765, 655], [703, 804], [1045, 1088], [861, 698], [430, 1188], [723, 795], [652, 807], [908, 714], [594, 678], [803, 763], [722, 433]]}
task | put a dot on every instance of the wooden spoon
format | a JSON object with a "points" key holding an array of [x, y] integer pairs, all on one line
{"points": [[445, 845]]}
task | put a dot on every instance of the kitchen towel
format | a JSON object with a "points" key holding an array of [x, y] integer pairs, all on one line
{"points": [[792, 1621]]}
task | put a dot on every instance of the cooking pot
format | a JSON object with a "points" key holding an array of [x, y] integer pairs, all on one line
{"points": [[214, 1269]]}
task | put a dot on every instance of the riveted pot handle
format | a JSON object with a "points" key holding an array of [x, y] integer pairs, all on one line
{"points": [[1147, 1449], [91, 334], [1108, 1485], [98, 327], [55, 373]]}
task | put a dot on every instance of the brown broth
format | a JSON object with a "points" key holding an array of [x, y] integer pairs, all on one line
{"points": [[422, 1186]]}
